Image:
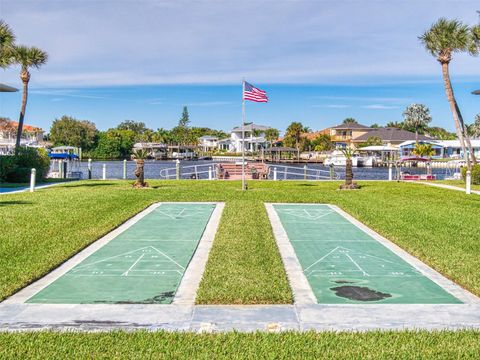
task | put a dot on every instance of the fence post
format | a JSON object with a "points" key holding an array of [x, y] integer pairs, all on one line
{"points": [[104, 172], [178, 169], [124, 169], [89, 169], [390, 176], [331, 172], [65, 169], [209, 173], [274, 174], [60, 168], [468, 183], [33, 176], [305, 172]]}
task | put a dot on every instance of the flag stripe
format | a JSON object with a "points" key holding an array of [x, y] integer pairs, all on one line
{"points": [[254, 94]]}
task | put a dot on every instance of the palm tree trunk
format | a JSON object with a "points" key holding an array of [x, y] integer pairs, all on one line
{"points": [[348, 172], [465, 134], [453, 108], [25, 76]]}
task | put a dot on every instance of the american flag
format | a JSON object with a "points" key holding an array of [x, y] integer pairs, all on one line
{"points": [[252, 93]]}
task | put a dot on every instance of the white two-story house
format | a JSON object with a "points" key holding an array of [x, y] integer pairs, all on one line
{"points": [[254, 138]]}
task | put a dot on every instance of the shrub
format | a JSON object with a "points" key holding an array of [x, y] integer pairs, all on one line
{"points": [[16, 168], [475, 174]]}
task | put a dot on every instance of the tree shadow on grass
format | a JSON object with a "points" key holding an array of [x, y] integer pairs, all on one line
{"points": [[88, 185], [15, 202]]}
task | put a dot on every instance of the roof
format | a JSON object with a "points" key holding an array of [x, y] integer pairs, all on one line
{"points": [[6, 88], [379, 148], [351, 126], [251, 127], [208, 137], [27, 128], [391, 134]]}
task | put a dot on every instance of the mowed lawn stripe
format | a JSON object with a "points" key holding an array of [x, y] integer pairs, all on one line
{"points": [[244, 266]]}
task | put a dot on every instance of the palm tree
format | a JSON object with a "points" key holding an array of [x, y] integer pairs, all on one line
{"points": [[294, 131], [348, 152], [444, 38], [7, 38], [140, 155], [26, 57], [474, 128], [349, 121], [417, 116], [271, 135]]}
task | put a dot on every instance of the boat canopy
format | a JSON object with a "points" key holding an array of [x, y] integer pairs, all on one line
{"points": [[414, 158], [62, 156]]}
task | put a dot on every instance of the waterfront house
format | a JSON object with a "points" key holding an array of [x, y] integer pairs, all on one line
{"points": [[444, 149], [254, 138], [389, 136], [31, 136], [208, 143]]}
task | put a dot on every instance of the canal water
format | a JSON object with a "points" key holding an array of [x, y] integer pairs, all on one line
{"points": [[155, 170]]}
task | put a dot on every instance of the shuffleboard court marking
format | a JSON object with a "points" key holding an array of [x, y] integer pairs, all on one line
{"points": [[144, 262], [343, 265]]}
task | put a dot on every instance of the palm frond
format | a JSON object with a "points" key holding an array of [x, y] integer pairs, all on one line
{"points": [[28, 57], [446, 37]]}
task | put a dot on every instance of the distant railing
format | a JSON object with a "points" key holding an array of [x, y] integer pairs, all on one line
{"points": [[282, 172], [201, 172]]}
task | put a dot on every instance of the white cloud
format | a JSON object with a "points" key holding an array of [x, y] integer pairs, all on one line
{"points": [[95, 43], [333, 106], [380, 107]]}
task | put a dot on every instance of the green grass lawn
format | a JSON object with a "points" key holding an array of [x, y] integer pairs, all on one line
{"points": [[42, 230], [459, 183], [163, 345]]}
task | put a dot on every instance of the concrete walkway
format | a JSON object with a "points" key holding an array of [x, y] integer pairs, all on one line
{"points": [[214, 318], [445, 186]]}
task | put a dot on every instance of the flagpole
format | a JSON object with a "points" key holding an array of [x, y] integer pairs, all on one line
{"points": [[243, 134]]}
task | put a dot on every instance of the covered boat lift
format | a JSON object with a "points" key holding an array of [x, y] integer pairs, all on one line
{"points": [[407, 176]]}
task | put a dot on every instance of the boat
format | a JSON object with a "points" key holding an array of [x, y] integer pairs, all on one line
{"points": [[337, 158], [407, 176]]}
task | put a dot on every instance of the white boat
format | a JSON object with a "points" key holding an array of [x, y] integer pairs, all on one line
{"points": [[336, 158]]}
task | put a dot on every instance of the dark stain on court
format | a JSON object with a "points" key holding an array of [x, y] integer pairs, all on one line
{"points": [[359, 293]]}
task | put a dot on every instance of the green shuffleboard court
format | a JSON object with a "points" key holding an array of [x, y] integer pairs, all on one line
{"points": [[142, 265], [344, 264]]}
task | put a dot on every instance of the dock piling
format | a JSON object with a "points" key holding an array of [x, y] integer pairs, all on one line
{"points": [[390, 174], [89, 169], [124, 169], [468, 183], [104, 172], [209, 173], [177, 165], [305, 172], [274, 174], [33, 176]]}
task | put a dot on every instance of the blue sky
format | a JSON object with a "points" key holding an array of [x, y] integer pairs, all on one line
{"points": [[319, 61]]}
